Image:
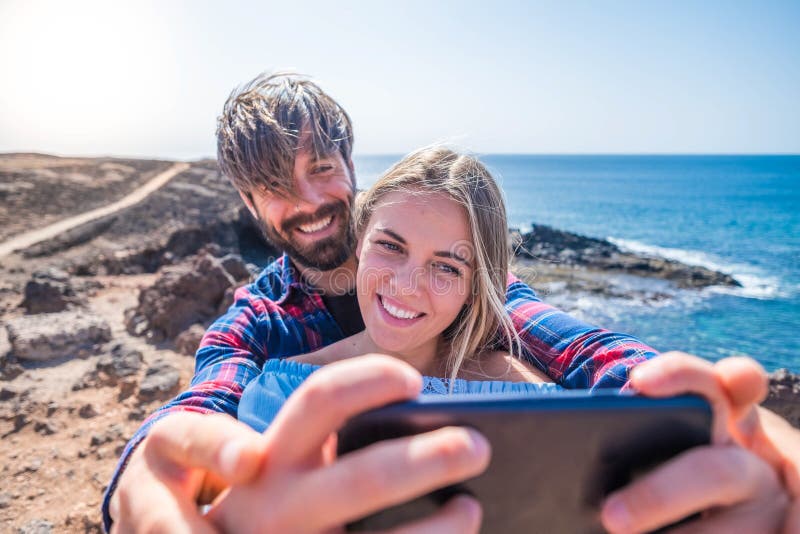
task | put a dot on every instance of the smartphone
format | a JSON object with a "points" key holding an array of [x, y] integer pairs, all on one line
{"points": [[554, 458]]}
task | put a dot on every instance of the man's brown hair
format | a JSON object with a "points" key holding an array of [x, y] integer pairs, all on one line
{"points": [[263, 123]]}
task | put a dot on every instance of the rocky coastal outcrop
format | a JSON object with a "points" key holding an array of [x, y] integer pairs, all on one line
{"points": [[545, 244], [784, 395]]}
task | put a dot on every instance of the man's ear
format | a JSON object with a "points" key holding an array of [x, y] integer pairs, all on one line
{"points": [[247, 197]]}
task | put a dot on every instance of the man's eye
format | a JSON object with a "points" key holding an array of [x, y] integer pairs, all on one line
{"points": [[320, 169]]}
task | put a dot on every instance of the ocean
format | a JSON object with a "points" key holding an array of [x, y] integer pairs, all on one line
{"points": [[735, 214]]}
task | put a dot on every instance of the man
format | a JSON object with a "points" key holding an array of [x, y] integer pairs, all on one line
{"points": [[286, 147]]}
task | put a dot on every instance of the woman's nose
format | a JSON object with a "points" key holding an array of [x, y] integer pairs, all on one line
{"points": [[409, 279]]}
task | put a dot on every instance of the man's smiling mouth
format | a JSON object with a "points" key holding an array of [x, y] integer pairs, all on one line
{"points": [[315, 226]]}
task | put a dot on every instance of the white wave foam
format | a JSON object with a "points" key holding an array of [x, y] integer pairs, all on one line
{"points": [[755, 284]]}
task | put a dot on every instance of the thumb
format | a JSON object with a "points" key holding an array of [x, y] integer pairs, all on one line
{"points": [[216, 443]]}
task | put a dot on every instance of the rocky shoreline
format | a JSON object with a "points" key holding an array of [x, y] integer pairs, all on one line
{"points": [[544, 244], [98, 326]]}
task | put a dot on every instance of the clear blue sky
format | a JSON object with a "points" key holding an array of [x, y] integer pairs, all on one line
{"points": [[149, 78]]}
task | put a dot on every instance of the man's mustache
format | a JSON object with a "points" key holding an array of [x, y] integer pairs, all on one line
{"points": [[305, 218]]}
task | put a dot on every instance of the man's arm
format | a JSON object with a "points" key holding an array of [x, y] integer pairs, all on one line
{"points": [[231, 354], [276, 475], [571, 352]]}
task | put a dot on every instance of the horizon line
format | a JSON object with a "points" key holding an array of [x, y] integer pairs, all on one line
{"points": [[401, 154]]}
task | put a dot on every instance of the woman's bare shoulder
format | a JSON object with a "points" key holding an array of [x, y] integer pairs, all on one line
{"points": [[500, 365], [334, 352]]}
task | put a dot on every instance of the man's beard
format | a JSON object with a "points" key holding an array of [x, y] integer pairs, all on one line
{"points": [[325, 254]]}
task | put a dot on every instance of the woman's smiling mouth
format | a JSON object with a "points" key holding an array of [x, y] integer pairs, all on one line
{"points": [[397, 312]]}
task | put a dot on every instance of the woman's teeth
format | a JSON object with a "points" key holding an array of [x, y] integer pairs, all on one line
{"points": [[397, 312], [317, 226]]}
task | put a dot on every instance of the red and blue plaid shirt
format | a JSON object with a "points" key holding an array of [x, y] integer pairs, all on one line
{"points": [[278, 316]]}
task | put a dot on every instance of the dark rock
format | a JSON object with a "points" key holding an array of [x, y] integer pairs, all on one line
{"points": [[50, 291], [236, 267], [11, 370], [87, 411], [127, 387], [137, 414], [226, 302], [784, 395], [113, 433], [547, 244], [118, 366], [49, 336], [183, 295], [84, 522], [189, 340], [45, 428], [36, 526], [784, 377], [160, 382], [120, 363], [8, 393]]}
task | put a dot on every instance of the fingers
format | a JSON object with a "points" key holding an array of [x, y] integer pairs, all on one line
{"points": [[331, 396], [206, 442], [144, 502], [792, 523], [746, 386], [461, 514], [675, 373], [744, 381], [779, 443], [388, 473], [756, 517], [700, 479]]}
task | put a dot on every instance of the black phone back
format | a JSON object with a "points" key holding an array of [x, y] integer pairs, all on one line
{"points": [[554, 457]]}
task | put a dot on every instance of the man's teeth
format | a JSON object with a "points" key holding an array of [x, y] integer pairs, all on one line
{"points": [[397, 312], [317, 226]]}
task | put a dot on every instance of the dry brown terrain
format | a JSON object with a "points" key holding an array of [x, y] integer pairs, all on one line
{"points": [[57, 464], [38, 189]]}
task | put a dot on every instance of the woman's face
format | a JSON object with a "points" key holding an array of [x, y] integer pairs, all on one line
{"points": [[414, 271]]}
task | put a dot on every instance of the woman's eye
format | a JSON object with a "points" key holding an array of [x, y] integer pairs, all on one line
{"points": [[388, 246], [447, 269]]}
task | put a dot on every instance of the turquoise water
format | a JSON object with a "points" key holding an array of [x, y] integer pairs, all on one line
{"points": [[736, 214]]}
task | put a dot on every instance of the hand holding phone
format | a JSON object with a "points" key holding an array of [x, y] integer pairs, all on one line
{"points": [[554, 456]]}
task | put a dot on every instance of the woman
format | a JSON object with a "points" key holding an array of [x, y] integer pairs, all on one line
{"points": [[433, 264]]}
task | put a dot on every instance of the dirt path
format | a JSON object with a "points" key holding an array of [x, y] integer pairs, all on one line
{"points": [[27, 239]]}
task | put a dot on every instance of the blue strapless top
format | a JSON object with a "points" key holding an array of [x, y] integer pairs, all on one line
{"points": [[267, 393]]}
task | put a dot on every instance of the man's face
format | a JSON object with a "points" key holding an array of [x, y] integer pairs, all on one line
{"points": [[314, 225]]}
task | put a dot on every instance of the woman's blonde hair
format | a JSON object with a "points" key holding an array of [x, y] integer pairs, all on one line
{"points": [[484, 321]]}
